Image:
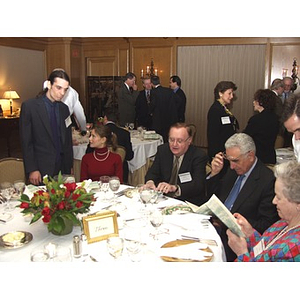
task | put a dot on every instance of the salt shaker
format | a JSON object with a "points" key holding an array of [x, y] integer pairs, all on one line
{"points": [[84, 245], [77, 248]]}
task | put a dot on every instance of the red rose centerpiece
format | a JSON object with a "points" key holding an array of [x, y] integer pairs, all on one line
{"points": [[58, 204]]}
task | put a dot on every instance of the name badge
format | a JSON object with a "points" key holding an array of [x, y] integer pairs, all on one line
{"points": [[185, 177], [225, 120], [68, 121], [259, 247]]}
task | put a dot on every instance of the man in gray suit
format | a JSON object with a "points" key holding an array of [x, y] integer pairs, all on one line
{"points": [[255, 195], [126, 100], [45, 129]]}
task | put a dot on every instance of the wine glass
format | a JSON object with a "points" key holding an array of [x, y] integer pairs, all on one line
{"points": [[146, 195], [115, 246], [104, 185], [19, 186], [156, 219], [7, 190], [131, 126]]}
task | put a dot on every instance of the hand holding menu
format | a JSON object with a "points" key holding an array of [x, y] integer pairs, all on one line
{"points": [[216, 207]]}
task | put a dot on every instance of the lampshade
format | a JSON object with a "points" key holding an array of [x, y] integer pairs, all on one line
{"points": [[11, 95]]}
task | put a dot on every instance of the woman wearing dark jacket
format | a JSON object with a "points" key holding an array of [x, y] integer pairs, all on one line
{"points": [[221, 123], [263, 127]]}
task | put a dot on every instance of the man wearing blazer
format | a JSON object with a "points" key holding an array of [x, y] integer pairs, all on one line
{"points": [[142, 106], [126, 100], [175, 85], [254, 200], [45, 129], [163, 108], [191, 172]]}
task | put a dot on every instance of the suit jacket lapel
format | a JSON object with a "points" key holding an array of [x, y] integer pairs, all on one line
{"points": [[247, 189], [43, 114]]}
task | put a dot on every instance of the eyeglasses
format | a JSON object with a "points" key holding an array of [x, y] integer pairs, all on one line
{"points": [[234, 160], [178, 141]]}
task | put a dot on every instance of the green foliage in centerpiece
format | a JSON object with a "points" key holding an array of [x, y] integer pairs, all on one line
{"points": [[56, 202]]}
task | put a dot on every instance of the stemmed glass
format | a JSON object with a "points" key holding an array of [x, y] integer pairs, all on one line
{"points": [[104, 183], [115, 246], [19, 186], [7, 190], [156, 219], [145, 196], [131, 126], [114, 185]]}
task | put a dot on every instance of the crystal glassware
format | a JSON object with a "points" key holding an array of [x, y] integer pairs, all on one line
{"points": [[156, 219], [7, 190], [104, 183], [115, 246]]}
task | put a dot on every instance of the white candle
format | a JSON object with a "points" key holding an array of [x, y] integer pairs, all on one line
{"points": [[155, 72], [148, 69], [142, 73], [51, 249]]}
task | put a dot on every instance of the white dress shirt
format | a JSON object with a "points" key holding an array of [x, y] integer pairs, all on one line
{"points": [[296, 145], [71, 99]]}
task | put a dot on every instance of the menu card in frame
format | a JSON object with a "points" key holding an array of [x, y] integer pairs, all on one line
{"points": [[100, 226]]}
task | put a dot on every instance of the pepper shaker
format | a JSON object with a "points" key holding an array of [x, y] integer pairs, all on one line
{"points": [[84, 245], [77, 247]]}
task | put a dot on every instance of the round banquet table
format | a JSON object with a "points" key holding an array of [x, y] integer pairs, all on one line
{"points": [[173, 227]]}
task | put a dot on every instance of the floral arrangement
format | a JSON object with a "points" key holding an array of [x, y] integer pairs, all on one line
{"points": [[56, 202]]}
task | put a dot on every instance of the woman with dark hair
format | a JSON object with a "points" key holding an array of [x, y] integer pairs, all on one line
{"points": [[101, 161], [264, 126], [221, 123]]}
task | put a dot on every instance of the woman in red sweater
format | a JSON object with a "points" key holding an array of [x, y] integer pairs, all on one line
{"points": [[101, 161]]}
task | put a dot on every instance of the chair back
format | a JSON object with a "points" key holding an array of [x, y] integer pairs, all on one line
{"points": [[12, 169], [121, 151], [194, 131]]}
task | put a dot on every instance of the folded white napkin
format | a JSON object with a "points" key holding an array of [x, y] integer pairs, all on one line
{"points": [[190, 251]]}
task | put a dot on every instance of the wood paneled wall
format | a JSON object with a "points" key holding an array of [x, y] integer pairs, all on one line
{"points": [[82, 57]]}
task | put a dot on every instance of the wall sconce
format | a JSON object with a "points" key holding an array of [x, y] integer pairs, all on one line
{"points": [[295, 73], [10, 95], [295, 69], [150, 70]]}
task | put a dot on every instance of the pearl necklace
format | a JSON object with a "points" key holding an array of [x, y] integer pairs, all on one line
{"points": [[106, 153]]}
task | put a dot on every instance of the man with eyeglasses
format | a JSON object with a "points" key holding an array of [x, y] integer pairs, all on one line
{"points": [[256, 190], [179, 168]]}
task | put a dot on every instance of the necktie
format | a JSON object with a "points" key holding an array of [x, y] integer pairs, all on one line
{"points": [[148, 96], [174, 174], [234, 192]]}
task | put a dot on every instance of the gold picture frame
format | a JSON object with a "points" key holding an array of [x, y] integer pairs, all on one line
{"points": [[100, 226]]}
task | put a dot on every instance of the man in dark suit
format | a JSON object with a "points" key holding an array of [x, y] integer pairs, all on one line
{"points": [[175, 85], [188, 182], [45, 129], [126, 100], [254, 200], [163, 108], [123, 135], [143, 116]]}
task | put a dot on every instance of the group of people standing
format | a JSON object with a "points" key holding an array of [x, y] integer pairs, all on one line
{"points": [[269, 218], [155, 107]]}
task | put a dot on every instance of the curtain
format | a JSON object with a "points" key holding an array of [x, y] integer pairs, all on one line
{"points": [[202, 67]]}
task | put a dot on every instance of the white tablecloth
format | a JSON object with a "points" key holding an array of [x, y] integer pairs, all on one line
{"points": [[143, 149], [176, 225]]}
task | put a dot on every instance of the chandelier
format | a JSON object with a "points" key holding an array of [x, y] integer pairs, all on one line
{"points": [[150, 70]]}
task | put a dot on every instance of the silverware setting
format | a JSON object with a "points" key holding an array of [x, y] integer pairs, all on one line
{"points": [[204, 241]]}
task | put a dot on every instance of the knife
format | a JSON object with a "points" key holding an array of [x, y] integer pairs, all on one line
{"points": [[3, 221], [205, 241]]}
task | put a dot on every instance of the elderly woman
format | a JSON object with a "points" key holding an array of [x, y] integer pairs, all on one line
{"points": [[281, 241], [264, 126], [101, 161]]}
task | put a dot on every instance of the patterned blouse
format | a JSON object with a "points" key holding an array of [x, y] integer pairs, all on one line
{"points": [[284, 249]]}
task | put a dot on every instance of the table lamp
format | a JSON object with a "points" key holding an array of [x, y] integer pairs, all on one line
{"points": [[11, 95]]}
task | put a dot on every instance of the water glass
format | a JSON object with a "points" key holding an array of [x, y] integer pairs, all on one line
{"points": [[115, 246], [7, 190], [62, 254], [156, 219], [39, 255], [19, 186], [104, 184]]}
